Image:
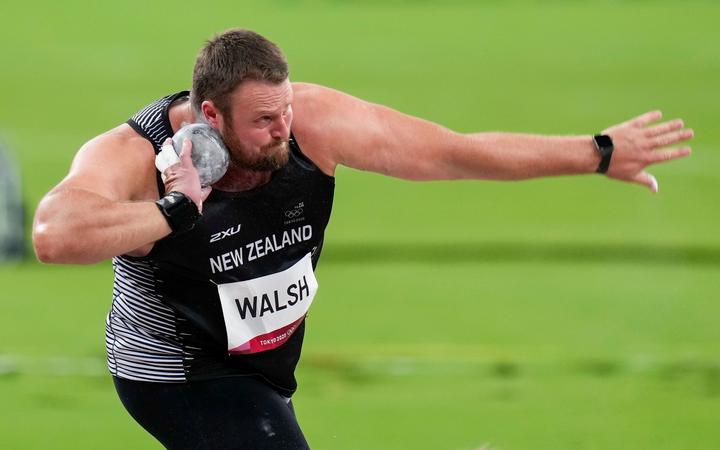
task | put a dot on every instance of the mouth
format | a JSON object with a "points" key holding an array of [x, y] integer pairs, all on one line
{"points": [[276, 147]]}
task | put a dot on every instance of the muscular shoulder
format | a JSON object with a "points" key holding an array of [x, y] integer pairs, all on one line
{"points": [[119, 164], [310, 94], [327, 121], [309, 119], [317, 106], [337, 128]]}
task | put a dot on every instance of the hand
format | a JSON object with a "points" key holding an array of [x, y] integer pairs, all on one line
{"points": [[183, 177], [639, 144]]}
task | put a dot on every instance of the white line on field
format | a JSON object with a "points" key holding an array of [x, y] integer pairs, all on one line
{"points": [[52, 365], [398, 366]]}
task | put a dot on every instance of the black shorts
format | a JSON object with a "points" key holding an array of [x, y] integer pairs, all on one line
{"points": [[226, 413]]}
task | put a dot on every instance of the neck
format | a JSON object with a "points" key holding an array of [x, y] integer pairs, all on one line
{"points": [[238, 180]]}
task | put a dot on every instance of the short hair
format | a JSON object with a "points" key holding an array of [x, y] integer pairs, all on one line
{"points": [[230, 58]]}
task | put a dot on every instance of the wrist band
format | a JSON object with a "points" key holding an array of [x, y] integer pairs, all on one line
{"points": [[604, 146], [180, 212]]}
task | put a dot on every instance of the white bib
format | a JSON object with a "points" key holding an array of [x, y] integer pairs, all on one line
{"points": [[262, 313]]}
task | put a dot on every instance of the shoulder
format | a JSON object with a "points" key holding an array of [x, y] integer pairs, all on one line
{"points": [[310, 91], [318, 102], [121, 136], [310, 114], [326, 121]]}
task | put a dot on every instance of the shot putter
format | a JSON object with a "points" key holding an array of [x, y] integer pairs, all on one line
{"points": [[209, 153]]}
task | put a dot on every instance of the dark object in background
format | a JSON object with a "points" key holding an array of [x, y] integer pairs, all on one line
{"points": [[12, 211]]}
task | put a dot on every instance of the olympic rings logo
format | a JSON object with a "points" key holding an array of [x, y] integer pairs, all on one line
{"points": [[293, 213]]}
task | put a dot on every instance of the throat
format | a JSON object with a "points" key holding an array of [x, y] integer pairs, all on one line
{"points": [[239, 180]]}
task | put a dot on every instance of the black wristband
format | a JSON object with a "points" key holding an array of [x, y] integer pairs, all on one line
{"points": [[604, 146], [180, 212]]}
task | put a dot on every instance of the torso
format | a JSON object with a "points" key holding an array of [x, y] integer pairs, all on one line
{"points": [[242, 236]]}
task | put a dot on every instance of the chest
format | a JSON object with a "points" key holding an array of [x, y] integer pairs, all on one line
{"points": [[248, 235]]}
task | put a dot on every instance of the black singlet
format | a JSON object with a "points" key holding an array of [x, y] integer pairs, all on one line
{"points": [[166, 323]]}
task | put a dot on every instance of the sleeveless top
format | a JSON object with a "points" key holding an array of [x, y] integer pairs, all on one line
{"points": [[229, 297]]}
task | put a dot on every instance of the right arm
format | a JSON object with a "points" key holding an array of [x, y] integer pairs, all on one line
{"points": [[106, 205]]}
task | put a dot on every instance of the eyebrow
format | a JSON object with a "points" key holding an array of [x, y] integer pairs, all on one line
{"points": [[268, 112]]}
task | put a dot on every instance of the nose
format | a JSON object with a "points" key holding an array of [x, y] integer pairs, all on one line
{"points": [[281, 130]]}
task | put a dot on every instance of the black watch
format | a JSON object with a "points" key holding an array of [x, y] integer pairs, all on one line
{"points": [[180, 212], [604, 146]]}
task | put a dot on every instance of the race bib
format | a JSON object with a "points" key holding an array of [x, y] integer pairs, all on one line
{"points": [[262, 313]]}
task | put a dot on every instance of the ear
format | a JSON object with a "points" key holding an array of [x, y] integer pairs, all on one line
{"points": [[211, 113]]}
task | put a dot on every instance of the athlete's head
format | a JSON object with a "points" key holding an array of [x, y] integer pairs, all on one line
{"points": [[241, 87]]}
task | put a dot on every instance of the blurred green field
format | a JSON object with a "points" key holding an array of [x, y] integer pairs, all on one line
{"points": [[571, 313]]}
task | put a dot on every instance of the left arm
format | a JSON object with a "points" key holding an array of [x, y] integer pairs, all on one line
{"points": [[335, 128]]}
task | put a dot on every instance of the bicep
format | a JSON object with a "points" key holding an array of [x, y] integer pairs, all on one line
{"points": [[397, 144], [341, 129]]}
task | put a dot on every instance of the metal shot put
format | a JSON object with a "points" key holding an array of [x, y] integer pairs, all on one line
{"points": [[204, 331], [209, 154]]}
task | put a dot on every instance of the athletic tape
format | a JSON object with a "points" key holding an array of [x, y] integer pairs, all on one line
{"points": [[166, 158]]}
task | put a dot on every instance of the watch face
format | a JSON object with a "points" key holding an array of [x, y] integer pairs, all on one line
{"points": [[604, 143]]}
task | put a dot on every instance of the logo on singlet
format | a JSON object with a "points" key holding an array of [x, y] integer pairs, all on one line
{"points": [[223, 234], [295, 214]]}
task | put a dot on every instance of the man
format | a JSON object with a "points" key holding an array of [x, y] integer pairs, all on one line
{"points": [[208, 310]]}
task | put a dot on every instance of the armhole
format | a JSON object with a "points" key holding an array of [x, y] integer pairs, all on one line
{"points": [[304, 160], [301, 157], [158, 179], [138, 129]]}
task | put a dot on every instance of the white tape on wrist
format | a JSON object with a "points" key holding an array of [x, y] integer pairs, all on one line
{"points": [[166, 158]]}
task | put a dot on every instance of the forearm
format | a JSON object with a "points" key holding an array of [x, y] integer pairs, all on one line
{"points": [[403, 146], [82, 227], [514, 156]]}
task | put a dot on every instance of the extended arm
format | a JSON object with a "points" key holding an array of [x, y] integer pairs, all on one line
{"points": [[105, 206], [335, 128]]}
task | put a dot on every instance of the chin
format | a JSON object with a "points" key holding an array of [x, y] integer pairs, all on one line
{"points": [[278, 161], [279, 158]]}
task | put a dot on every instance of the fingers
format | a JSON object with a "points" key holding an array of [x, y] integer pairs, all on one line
{"points": [[647, 180], [166, 158], [654, 187], [645, 119], [186, 151], [670, 155], [663, 128], [671, 138]]}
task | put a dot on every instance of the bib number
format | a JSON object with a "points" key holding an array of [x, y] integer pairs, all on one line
{"points": [[262, 313]]}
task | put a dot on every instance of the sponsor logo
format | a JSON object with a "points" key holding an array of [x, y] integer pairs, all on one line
{"points": [[223, 234]]}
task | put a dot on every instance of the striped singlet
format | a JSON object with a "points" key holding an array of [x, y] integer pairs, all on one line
{"points": [[225, 298]]}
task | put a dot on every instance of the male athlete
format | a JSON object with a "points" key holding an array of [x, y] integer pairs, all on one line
{"points": [[212, 285]]}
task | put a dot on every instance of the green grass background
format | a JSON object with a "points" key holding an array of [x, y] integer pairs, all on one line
{"points": [[569, 313]]}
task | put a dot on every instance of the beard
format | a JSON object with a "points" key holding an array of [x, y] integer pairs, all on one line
{"points": [[272, 156]]}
